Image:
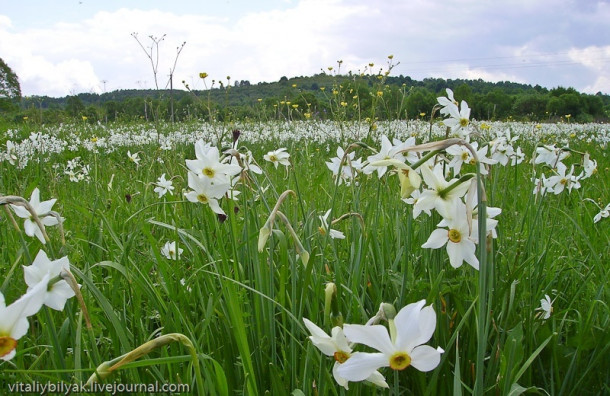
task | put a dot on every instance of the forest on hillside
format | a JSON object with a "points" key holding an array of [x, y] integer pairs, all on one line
{"points": [[322, 96]]}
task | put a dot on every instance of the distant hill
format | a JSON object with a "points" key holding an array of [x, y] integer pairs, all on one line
{"points": [[402, 96]]}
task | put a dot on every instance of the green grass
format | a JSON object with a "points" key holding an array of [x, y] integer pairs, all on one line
{"points": [[243, 310]]}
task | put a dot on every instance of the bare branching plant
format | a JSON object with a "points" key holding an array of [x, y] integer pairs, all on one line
{"points": [[153, 54]]}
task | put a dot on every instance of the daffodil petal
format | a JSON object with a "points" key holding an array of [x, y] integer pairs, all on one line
{"points": [[361, 365], [340, 380], [427, 324], [375, 336], [407, 326], [437, 239], [425, 358]]}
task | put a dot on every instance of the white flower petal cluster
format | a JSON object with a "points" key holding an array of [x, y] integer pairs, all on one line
{"points": [[462, 155], [389, 150], [459, 117], [170, 251], [561, 180], [164, 186], [604, 213], [398, 348], [546, 308], [42, 210], [503, 151], [13, 318], [324, 228], [436, 195], [209, 165], [338, 347], [77, 170], [210, 176], [348, 165], [458, 236], [279, 156], [205, 192], [11, 153], [59, 292], [133, 157]]}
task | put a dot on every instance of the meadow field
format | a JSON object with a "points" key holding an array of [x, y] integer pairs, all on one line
{"points": [[391, 257]]}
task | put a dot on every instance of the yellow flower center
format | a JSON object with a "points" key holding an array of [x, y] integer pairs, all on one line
{"points": [[341, 356], [273, 158], [209, 172], [563, 181], [463, 122], [322, 230], [400, 361], [202, 198], [464, 156], [454, 235], [7, 345]]}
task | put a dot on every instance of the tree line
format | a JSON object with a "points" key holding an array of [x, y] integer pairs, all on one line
{"points": [[322, 96]]}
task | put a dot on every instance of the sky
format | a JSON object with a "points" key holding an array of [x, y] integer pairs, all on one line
{"points": [[66, 47]]}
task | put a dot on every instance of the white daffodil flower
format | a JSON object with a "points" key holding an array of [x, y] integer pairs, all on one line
{"points": [[164, 186], [133, 157], [13, 318], [446, 101], [279, 156], [205, 192], [349, 168], [546, 308], [561, 181], [248, 163], [324, 228], [386, 152], [461, 155], [42, 209], [589, 167], [460, 246], [170, 251], [10, 152], [201, 149], [399, 348], [338, 347], [436, 197], [59, 292], [459, 119], [412, 200], [604, 213], [550, 155], [208, 165]]}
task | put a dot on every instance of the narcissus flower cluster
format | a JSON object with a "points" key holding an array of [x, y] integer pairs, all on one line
{"points": [[397, 346], [46, 286]]}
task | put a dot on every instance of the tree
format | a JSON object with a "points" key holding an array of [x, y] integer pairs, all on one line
{"points": [[420, 100], [10, 90], [74, 106], [498, 104], [532, 106], [463, 92]]}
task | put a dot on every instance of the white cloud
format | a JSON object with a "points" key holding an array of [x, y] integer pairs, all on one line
{"points": [[463, 71], [448, 39]]}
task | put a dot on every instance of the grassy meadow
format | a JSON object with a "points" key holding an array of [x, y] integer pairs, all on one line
{"points": [[225, 315]]}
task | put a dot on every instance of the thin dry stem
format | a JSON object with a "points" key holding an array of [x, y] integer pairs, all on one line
{"points": [[346, 215], [19, 201], [71, 280]]}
